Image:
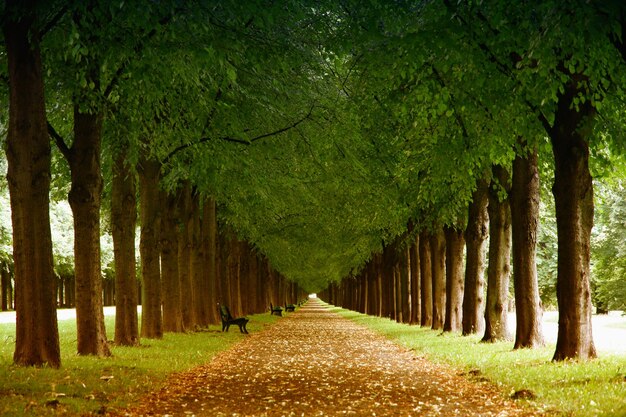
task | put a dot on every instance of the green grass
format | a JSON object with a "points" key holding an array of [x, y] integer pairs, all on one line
{"points": [[594, 388], [78, 386]]}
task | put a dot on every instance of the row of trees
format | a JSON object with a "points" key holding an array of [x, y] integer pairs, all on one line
{"points": [[70, 67], [478, 88], [324, 132]]}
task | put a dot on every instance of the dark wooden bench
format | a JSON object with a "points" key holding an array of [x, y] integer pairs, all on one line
{"points": [[228, 320], [277, 310], [290, 307]]}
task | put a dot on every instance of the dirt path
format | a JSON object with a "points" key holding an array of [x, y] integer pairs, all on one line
{"points": [[316, 363]]}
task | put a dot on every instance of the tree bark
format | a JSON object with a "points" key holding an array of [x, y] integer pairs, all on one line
{"points": [[475, 239], [525, 219], [200, 286], [151, 316], [170, 284], [426, 282], [455, 243], [573, 196], [85, 201], [123, 222], [184, 257], [5, 288], [28, 156], [405, 276], [209, 230], [438, 253], [499, 269], [416, 302]]}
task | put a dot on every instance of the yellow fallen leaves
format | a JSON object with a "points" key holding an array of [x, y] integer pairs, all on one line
{"points": [[315, 363]]}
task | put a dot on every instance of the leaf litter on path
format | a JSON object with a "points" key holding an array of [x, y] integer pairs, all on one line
{"points": [[317, 363]]}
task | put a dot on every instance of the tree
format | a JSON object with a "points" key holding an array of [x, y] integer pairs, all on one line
{"points": [[426, 282], [150, 219], [123, 224], [476, 235], [438, 252], [168, 243], [499, 269], [28, 155], [525, 196], [455, 243]]}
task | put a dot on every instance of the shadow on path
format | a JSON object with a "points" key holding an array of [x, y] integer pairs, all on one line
{"points": [[317, 363]]}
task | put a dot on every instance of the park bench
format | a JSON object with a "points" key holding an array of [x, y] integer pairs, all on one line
{"points": [[277, 310], [290, 307], [228, 320]]}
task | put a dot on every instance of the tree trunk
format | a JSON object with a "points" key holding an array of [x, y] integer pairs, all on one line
{"points": [[525, 219], [184, 257], [455, 243], [200, 286], [499, 269], [416, 302], [209, 230], [151, 316], [405, 276], [123, 222], [170, 284], [573, 196], [28, 156], [5, 287], [438, 253], [426, 281], [85, 201], [475, 239]]}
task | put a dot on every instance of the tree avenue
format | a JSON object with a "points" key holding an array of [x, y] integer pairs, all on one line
{"points": [[367, 151]]}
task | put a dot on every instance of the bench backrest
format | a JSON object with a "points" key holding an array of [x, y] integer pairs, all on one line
{"points": [[225, 313]]}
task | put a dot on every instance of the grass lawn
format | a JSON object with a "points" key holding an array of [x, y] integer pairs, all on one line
{"points": [[85, 385], [594, 388]]}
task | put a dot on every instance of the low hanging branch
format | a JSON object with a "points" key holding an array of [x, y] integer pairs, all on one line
{"points": [[240, 141], [60, 142]]}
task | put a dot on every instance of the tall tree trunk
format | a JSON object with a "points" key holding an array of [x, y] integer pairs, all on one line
{"points": [[5, 287], [123, 222], [170, 284], [525, 219], [455, 243], [200, 286], [378, 260], [416, 301], [28, 156], [573, 196], [475, 239], [184, 257], [499, 269], [85, 201], [209, 230], [388, 284], [405, 277], [151, 316], [438, 253], [426, 281]]}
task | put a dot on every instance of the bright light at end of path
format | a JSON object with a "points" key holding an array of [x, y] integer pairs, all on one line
{"points": [[312, 295]]}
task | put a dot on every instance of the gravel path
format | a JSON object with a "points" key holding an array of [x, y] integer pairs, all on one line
{"points": [[317, 363]]}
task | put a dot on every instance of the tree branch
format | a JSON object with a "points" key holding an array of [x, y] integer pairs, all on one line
{"points": [[60, 142], [238, 140], [52, 23], [137, 50]]}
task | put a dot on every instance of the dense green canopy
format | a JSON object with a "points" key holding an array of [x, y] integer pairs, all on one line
{"points": [[324, 128]]}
